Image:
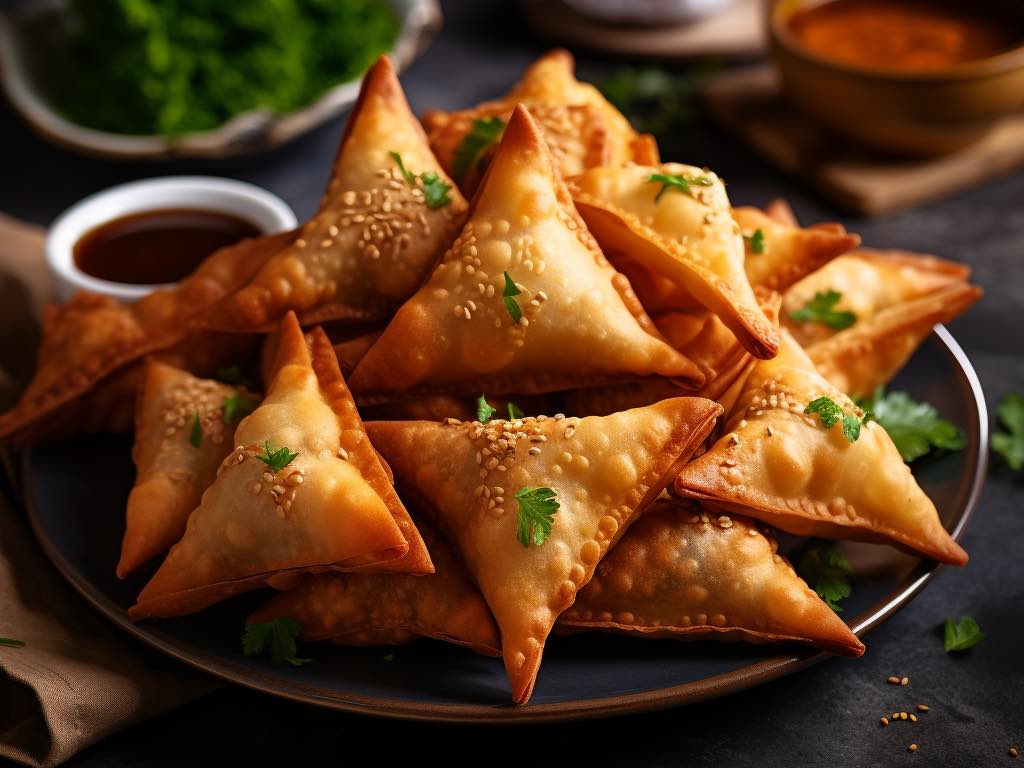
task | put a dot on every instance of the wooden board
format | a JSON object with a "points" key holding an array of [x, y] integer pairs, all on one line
{"points": [[735, 31], [750, 103]]}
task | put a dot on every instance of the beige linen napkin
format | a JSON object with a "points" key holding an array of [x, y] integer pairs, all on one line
{"points": [[78, 678]]}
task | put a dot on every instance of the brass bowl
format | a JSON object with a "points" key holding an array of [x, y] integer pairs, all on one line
{"points": [[927, 113]]}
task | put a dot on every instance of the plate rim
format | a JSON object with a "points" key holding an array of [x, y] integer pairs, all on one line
{"points": [[691, 692]]}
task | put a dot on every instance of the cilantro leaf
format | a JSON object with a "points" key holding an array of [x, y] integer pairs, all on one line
{"points": [[1010, 444], [195, 437], [537, 507], [237, 407], [915, 428], [514, 411], [826, 569], [409, 176], [10, 642], [755, 241], [276, 637], [830, 414], [435, 191], [657, 100], [962, 634], [510, 303], [486, 131], [232, 374], [484, 412], [276, 459], [821, 309], [678, 181]]}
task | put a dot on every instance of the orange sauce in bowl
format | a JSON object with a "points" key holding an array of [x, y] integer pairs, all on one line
{"points": [[906, 35]]}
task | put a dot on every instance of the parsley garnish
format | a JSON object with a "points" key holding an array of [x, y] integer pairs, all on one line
{"points": [[195, 437], [276, 459], [237, 407], [232, 374], [10, 642], [655, 100], [1010, 445], [435, 191], [755, 241], [277, 637], [678, 181], [537, 507], [484, 133], [510, 303], [826, 569], [515, 412], [963, 634], [830, 413], [484, 412], [915, 428], [821, 309]]}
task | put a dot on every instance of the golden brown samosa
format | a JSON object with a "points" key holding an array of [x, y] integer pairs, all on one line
{"points": [[684, 573], [393, 608], [523, 302], [491, 485], [674, 223], [302, 491], [184, 427], [388, 213], [779, 464]]}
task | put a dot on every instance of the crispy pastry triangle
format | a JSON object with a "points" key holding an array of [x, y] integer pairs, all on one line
{"points": [[684, 234], [788, 252], [331, 507], [681, 572], [377, 233], [175, 461], [580, 323], [603, 470], [780, 465], [391, 609]]}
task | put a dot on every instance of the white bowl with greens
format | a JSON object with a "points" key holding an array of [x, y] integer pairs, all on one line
{"points": [[50, 73]]}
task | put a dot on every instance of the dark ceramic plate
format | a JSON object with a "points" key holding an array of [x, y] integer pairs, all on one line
{"points": [[76, 494]]}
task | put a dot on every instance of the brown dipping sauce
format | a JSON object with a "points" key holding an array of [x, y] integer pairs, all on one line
{"points": [[160, 246], [906, 35]]}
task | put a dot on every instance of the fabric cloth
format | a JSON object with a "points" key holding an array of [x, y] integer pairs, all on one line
{"points": [[77, 678]]}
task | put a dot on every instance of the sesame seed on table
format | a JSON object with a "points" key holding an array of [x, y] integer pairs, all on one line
{"points": [[841, 712]]}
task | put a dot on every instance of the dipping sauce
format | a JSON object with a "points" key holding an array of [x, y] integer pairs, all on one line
{"points": [[906, 35], [160, 246]]}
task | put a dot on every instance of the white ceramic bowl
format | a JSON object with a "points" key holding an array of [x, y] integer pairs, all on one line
{"points": [[266, 211]]}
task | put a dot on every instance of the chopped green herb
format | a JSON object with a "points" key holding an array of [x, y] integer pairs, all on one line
{"points": [[1010, 444], [962, 634], [486, 131], [831, 413], [755, 241], [484, 412], [435, 191], [389, 657], [515, 412], [915, 428], [10, 642], [232, 374], [276, 637], [827, 570], [537, 507], [507, 296], [195, 437], [409, 176], [276, 459], [237, 407], [821, 309], [678, 181], [655, 99]]}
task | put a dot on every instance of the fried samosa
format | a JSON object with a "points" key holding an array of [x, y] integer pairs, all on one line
{"points": [[524, 302], [391, 609], [779, 464], [184, 427], [302, 491], [492, 488], [682, 573], [388, 213], [674, 222]]}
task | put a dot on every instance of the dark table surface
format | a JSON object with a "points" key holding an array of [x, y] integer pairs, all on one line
{"points": [[826, 715]]}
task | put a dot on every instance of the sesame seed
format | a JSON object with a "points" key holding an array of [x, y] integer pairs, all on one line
{"points": [[892, 680], [342, 454], [913, 717], [922, 707], [905, 681], [895, 715], [569, 432], [534, 451], [912, 748], [1014, 752], [885, 721], [903, 715]]}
